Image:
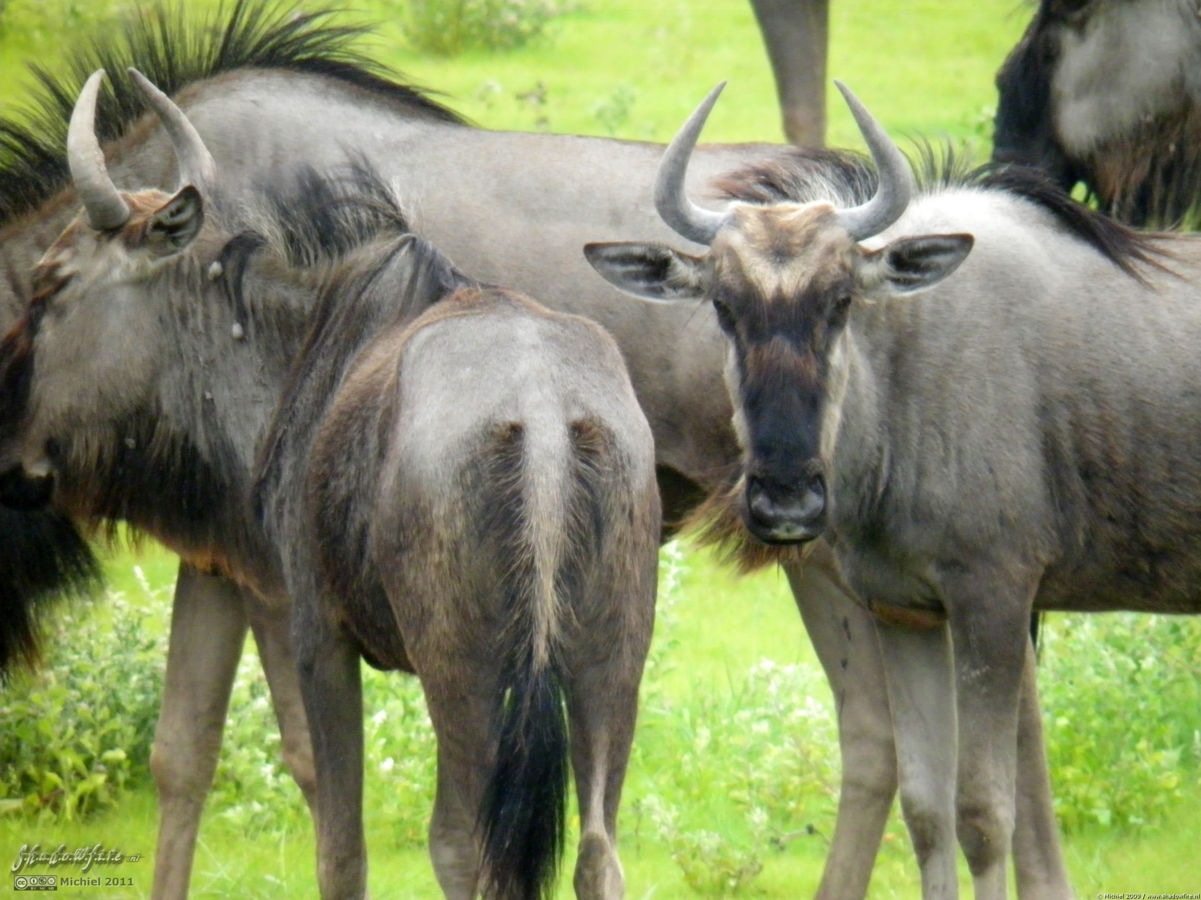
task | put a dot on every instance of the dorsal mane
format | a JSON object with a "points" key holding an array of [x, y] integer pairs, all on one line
{"points": [[321, 216], [1131, 251], [802, 175], [392, 280], [847, 178], [175, 49], [327, 221]]}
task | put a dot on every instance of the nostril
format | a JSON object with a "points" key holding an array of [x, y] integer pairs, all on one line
{"points": [[760, 504]]}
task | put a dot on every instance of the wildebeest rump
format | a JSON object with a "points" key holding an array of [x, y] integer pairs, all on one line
{"points": [[1108, 93], [526, 570], [986, 393], [270, 92]]}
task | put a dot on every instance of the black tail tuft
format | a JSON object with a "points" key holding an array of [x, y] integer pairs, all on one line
{"points": [[42, 558], [524, 811]]}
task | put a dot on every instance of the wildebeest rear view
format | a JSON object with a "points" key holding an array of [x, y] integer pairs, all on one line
{"points": [[1108, 93], [519, 563], [487, 472]]}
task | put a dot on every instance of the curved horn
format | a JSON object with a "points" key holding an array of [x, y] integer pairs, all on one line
{"points": [[196, 164], [105, 206], [896, 177], [684, 216]]}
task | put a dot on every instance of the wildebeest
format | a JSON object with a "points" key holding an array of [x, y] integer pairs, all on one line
{"points": [[505, 550], [487, 471], [1108, 93], [270, 92], [985, 393]]}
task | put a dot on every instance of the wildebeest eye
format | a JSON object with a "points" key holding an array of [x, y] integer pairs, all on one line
{"points": [[725, 318]]}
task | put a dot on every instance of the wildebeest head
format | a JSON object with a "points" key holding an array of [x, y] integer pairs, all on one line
{"points": [[90, 330], [1108, 93], [782, 279]]}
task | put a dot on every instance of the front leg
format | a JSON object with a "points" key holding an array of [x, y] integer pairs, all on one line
{"points": [[208, 628], [921, 694], [844, 637], [989, 612], [331, 686]]}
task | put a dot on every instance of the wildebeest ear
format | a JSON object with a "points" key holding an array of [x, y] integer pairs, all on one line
{"points": [[649, 271], [176, 222], [913, 263]]}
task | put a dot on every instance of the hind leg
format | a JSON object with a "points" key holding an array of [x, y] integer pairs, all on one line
{"points": [[208, 626], [601, 710], [461, 713]]}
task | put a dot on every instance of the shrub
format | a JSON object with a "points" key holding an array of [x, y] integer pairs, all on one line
{"points": [[79, 732], [450, 27], [1122, 710]]}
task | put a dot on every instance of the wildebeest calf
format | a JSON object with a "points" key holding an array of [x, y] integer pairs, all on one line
{"points": [[488, 467]]}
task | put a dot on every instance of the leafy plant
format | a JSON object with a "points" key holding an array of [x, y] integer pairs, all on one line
{"points": [[78, 733], [451, 27], [1122, 710]]}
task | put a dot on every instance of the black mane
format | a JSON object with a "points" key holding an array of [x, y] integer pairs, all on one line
{"points": [[173, 50], [847, 178]]}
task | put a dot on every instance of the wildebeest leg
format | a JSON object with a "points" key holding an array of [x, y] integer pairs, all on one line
{"points": [[844, 637], [208, 627], [461, 715], [602, 709], [1037, 857], [921, 695], [271, 629], [989, 614], [330, 683]]}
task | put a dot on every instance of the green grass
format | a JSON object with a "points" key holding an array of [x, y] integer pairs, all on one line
{"points": [[631, 69]]}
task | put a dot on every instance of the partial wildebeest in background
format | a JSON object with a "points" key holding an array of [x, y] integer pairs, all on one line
{"points": [[1018, 435], [796, 35], [43, 558], [1108, 93], [515, 537], [270, 92]]}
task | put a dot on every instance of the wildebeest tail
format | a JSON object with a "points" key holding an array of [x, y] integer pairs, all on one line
{"points": [[43, 558], [548, 511]]}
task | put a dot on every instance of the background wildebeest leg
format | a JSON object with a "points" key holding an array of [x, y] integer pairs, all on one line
{"points": [[1037, 856], [917, 668], [328, 663], [795, 33], [272, 633], [208, 627], [844, 637]]}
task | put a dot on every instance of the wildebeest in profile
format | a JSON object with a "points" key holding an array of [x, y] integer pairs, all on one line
{"points": [[492, 525], [1108, 93], [987, 393]]}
